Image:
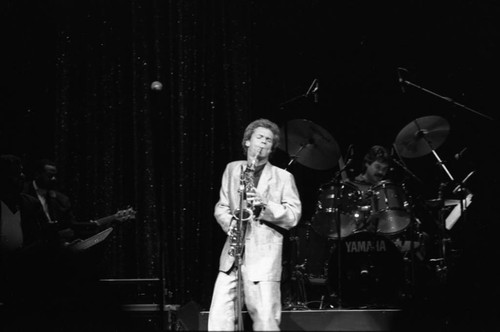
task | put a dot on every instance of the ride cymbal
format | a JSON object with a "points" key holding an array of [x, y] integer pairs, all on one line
{"points": [[421, 136], [310, 144]]}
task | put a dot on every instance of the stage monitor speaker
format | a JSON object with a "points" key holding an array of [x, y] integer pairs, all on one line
{"points": [[188, 316], [148, 318]]}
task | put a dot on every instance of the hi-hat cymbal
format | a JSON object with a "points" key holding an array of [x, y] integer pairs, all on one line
{"points": [[310, 144], [421, 136]]}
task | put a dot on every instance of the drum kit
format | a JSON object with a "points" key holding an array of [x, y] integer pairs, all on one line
{"points": [[361, 244]]}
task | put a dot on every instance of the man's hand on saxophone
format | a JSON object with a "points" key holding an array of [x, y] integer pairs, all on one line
{"points": [[254, 198]]}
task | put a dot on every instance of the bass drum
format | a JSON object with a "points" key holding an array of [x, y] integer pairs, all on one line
{"points": [[371, 271]]}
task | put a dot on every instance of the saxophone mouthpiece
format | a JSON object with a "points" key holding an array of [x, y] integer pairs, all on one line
{"points": [[254, 160]]}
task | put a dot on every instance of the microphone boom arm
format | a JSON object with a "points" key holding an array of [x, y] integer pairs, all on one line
{"points": [[448, 99]]}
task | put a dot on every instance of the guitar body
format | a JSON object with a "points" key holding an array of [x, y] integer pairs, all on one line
{"points": [[90, 228]]}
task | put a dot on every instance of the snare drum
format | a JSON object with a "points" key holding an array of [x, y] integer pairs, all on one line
{"points": [[390, 208]]}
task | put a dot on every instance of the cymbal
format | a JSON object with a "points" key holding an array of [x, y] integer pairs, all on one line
{"points": [[310, 144], [421, 136]]}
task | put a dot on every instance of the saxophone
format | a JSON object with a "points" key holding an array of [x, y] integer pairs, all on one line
{"points": [[245, 212]]}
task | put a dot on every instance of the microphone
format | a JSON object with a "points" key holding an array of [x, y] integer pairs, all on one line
{"points": [[350, 154], [315, 92], [313, 89], [400, 79], [460, 154]]}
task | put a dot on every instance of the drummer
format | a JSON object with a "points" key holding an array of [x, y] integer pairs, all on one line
{"points": [[375, 167]]}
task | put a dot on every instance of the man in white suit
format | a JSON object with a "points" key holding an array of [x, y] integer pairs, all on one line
{"points": [[276, 206]]}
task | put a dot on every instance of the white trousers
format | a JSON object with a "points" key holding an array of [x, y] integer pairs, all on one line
{"points": [[261, 298]]}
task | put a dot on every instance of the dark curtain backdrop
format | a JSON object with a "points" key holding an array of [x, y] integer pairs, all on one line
{"points": [[77, 88], [120, 142]]}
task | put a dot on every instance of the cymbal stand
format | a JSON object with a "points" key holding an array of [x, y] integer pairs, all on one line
{"points": [[442, 264], [422, 133], [412, 226], [294, 157], [296, 273], [336, 203]]}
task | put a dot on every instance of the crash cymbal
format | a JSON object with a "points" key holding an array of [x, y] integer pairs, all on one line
{"points": [[421, 136], [310, 144]]}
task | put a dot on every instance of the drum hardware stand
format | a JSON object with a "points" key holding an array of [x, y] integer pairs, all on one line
{"points": [[413, 227], [297, 277], [441, 264]]}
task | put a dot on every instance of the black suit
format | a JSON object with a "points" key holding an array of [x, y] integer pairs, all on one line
{"points": [[59, 206], [20, 268]]}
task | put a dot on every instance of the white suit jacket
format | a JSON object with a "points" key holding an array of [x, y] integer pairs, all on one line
{"points": [[263, 243]]}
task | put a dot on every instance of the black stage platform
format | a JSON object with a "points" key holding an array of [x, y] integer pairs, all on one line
{"points": [[330, 320]]}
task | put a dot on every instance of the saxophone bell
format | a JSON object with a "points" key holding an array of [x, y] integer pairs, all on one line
{"points": [[236, 239]]}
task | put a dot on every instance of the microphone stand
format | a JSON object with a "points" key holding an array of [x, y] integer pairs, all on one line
{"points": [[313, 89], [448, 99], [239, 326], [461, 189], [156, 88]]}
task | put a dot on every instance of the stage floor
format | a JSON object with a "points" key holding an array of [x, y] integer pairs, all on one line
{"points": [[330, 320]]}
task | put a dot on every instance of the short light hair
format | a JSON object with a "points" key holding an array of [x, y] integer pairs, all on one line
{"points": [[261, 123]]}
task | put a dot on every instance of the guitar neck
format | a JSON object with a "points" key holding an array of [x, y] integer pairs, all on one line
{"points": [[105, 220]]}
